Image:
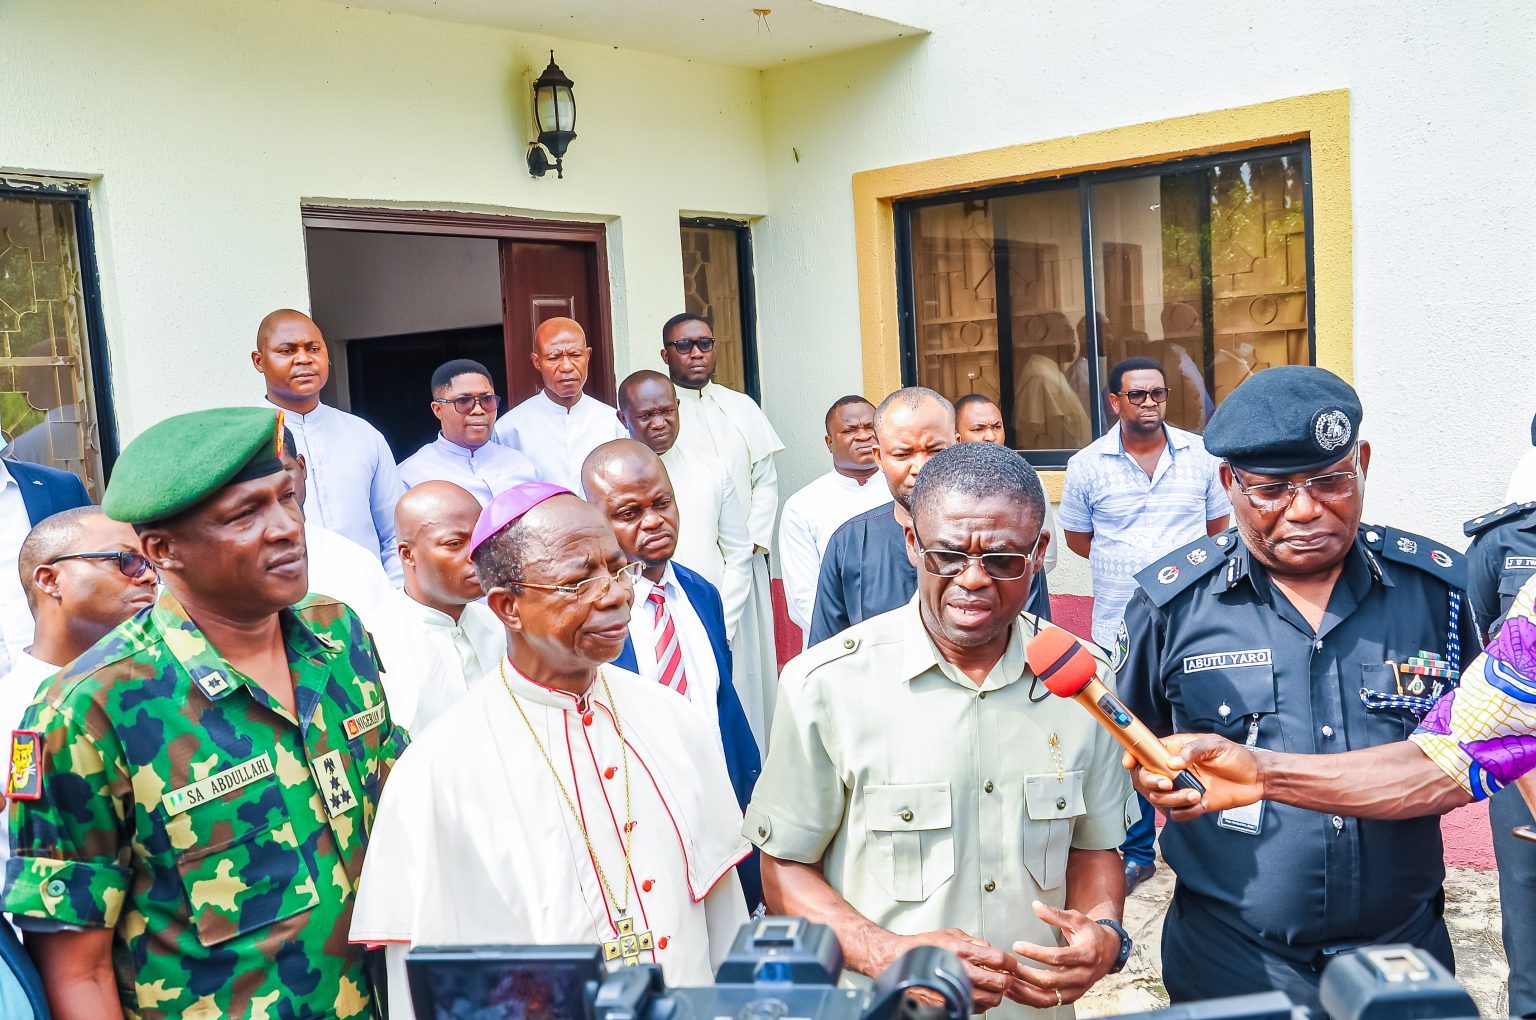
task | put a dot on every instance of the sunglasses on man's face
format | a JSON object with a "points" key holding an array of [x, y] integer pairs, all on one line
{"points": [[464, 405], [686, 346], [1139, 397], [132, 564]]}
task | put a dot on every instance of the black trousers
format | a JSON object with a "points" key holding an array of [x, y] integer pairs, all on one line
{"points": [[1517, 896], [1205, 957]]}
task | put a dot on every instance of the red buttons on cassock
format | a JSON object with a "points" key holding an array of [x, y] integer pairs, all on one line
{"points": [[608, 772], [661, 943], [586, 720], [646, 885]]}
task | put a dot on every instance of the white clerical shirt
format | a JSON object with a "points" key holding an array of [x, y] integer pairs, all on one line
{"points": [[16, 623], [556, 438], [712, 535], [474, 842], [698, 652], [430, 660], [810, 517], [345, 571], [485, 472], [719, 420], [353, 485]]}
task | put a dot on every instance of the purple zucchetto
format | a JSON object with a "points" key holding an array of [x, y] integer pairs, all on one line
{"points": [[511, 505]]}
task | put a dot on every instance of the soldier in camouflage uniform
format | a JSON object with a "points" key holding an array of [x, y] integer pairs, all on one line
{"points": [[191, 799]]}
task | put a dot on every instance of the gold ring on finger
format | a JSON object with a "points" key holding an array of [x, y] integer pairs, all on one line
{"points": [[1058, 998]]}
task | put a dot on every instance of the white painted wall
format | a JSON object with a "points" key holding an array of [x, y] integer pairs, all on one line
{"points": [[204, 125], [1444, 200]]}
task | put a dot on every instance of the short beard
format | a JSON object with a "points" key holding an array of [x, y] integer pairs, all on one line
{"points": [[654, 564]]}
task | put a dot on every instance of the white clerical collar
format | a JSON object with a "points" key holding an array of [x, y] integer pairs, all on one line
{"points": [[688, 391], [449, 448], [425, 614], [555, 407], [531, 690], [853, 484], [294, 417]]}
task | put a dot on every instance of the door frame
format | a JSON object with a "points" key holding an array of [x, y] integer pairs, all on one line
{"points": [[492, 225]]}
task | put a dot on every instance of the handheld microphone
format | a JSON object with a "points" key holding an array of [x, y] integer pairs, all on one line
{"points": [[1069, 670]]}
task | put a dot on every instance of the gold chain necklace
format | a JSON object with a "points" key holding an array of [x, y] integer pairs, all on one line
{"points": [[629, 825]]}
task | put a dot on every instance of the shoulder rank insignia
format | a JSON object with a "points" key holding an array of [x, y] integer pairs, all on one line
{"points": [[26, 775], [1169, 575], [1418, 551], [1509, 511]]}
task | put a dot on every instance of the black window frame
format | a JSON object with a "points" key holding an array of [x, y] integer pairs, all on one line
{"points": [[1084, 182], [77, 195], [746, 285]]}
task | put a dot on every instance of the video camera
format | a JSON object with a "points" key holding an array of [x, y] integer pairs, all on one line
{"points": [[786, 967]]}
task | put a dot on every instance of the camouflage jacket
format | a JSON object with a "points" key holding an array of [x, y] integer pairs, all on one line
{"points": [[221, 838]]}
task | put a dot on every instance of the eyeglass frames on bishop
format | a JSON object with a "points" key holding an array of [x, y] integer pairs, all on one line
{"points": [[686, 345], [464, 405], [132, 564]]}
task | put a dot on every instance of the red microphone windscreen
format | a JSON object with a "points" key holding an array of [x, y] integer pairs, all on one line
{"points": [[1060, 661]]}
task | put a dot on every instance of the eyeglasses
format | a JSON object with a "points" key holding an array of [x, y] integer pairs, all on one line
{"points": [[132, 564], [1272, 496], [1139, 397], [464, 405], [593, 588], [703, 343], [997, 566]]}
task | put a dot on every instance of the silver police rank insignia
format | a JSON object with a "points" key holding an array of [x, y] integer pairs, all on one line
{"points": [[1441, 557], [1407, 545], [1168, 574], [1196, 557], [1122, 650], [1331, 430]]}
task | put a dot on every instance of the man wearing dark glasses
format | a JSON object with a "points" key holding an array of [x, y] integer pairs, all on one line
{"points": [[464, 401], [1302, 631]]}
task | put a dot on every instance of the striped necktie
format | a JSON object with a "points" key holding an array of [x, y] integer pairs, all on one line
{"points": [[669, 652]]}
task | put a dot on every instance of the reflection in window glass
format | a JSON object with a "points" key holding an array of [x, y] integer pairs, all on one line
{"points": [[712, 288], [1202, 266], [47, 412]]}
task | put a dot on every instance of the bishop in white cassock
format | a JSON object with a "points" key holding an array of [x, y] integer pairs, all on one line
{"points": [[559, 425], [720, 421], [435, 638], [712, 536], [562, 800], [811, 515]]}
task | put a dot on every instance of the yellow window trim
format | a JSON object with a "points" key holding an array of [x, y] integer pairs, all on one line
{"points": [[1322, 118]]}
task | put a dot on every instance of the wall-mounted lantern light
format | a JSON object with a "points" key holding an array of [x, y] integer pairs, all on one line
{"points": [[554, 111]]}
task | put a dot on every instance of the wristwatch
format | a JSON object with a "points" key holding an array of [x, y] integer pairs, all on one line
{"points": [[1125, 944]]}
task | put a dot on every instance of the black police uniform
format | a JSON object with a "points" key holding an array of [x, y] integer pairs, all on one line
{"points": [[1501, 559], [1210, 645]]}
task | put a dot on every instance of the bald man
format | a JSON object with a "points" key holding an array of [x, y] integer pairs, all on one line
{"points": [[353, 482], [559, 425], [435, 638]]}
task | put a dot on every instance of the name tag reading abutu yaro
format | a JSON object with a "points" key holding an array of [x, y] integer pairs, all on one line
{"points": [[217, 785]]}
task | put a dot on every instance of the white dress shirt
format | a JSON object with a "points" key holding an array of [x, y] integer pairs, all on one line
{"points": [[17, 689], [556, 438], [345, 571], [430, 660], [698, 653], [16, 624], [486, 472], [353, 485], [810, 517], [730, 425], [712, 536], [1522, 481]]}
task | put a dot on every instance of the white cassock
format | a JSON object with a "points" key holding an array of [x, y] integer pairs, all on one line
{"points": [[353, 484], [345, 571], [730, 425], [475, 844], [430, 660], [485, 473], [810, 517], [557, 439], [712, 536]]}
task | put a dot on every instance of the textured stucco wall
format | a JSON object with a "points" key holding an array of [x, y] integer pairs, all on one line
{"points": [[205, 125], [1443, 201]]}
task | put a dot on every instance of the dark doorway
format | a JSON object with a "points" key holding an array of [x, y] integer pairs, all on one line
{"points": [[398, 293]]}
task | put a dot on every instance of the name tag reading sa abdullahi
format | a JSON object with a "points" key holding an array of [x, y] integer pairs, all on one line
{"points": [[217, 785]]}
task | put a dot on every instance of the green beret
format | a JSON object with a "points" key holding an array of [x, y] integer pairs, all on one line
{"points": [[176, 464]]}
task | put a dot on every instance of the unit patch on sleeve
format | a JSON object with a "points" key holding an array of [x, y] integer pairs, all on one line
{"points": [[1122, 649], [26, 776]]}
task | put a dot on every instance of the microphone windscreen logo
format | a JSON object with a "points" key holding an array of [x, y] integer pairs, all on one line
{"points": [[1060, 661]]}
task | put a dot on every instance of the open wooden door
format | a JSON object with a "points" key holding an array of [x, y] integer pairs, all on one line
{"points": [[543, 279]]}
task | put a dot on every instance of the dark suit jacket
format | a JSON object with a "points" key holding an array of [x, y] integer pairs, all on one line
{"points": [[865, 572], [743, 762], [46, 490]]}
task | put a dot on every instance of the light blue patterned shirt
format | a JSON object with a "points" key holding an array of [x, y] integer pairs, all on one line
{"points": [[1135, 519]]}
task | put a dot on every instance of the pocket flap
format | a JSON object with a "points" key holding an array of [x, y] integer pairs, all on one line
{"points": [[907, 807], [1245, 691], [247, 883], [1047, 797]]}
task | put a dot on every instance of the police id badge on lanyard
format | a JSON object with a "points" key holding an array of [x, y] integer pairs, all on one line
{"points": [[1248, 819]]}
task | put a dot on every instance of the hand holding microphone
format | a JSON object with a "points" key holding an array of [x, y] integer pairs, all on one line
{"points": [[1069, 670]]}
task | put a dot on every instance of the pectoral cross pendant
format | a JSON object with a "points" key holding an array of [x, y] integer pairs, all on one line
{"points": [[629, 945]]}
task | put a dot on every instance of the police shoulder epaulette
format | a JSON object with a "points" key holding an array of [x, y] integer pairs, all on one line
{"points": [[1417, 551], [1508, 512], [1164, 579]]}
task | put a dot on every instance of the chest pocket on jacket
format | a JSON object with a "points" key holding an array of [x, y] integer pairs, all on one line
{"points": [[911, 840], [1385, 725], [1052, 805], [1225, 700], [249, 882]]}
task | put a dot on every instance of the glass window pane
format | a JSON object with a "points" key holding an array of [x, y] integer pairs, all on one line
{"points": [[1204, 271], [712, 288], [47, 408]]}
